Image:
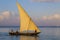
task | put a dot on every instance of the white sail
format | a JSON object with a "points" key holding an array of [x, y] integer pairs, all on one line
{"points": [[26, 24]]}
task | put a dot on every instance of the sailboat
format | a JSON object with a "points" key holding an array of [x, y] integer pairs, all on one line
{"points": [[27, 26]]}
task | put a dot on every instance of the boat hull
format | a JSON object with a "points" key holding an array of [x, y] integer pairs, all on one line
{"points": [[23, 33]]}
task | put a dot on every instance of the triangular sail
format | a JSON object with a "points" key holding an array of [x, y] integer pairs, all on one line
{"points": [[25, 21]]}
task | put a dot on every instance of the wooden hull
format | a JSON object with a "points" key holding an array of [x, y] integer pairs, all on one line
{"points": [[23, 33]]}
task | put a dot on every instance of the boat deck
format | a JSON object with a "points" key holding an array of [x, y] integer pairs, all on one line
{"points": [[14, 33]]}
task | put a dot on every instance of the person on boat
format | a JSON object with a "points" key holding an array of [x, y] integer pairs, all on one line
{"points": [[17, 32], [11, 31], [35, 31]]}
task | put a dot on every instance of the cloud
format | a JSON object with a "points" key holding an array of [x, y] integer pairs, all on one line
{"points": [[6, 14], [8, 18], [51, 20], [45, 0], [51, 17], [1, 18]]}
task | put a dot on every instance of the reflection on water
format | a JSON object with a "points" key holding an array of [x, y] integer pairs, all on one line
{"points": [[23, 37], [28, 38]]}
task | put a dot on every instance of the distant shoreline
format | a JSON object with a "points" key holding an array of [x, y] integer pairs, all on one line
{"points": [[38, 26]]}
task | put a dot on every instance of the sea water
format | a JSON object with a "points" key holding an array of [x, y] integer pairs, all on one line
{"points": [[46, 34]]}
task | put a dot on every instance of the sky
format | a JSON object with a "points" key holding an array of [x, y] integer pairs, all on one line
{"points": [[42, 12]]}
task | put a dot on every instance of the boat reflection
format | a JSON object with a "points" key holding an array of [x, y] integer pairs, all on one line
{"points": [[29, 38]]}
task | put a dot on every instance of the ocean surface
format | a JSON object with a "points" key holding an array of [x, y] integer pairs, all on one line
{"points": [[46, 34]]}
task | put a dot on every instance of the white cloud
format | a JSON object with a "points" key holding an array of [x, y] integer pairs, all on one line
{"points": [[51, 17], [1, 18], [6, 14], [8, 18], [51, 20], [44, 18]]}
